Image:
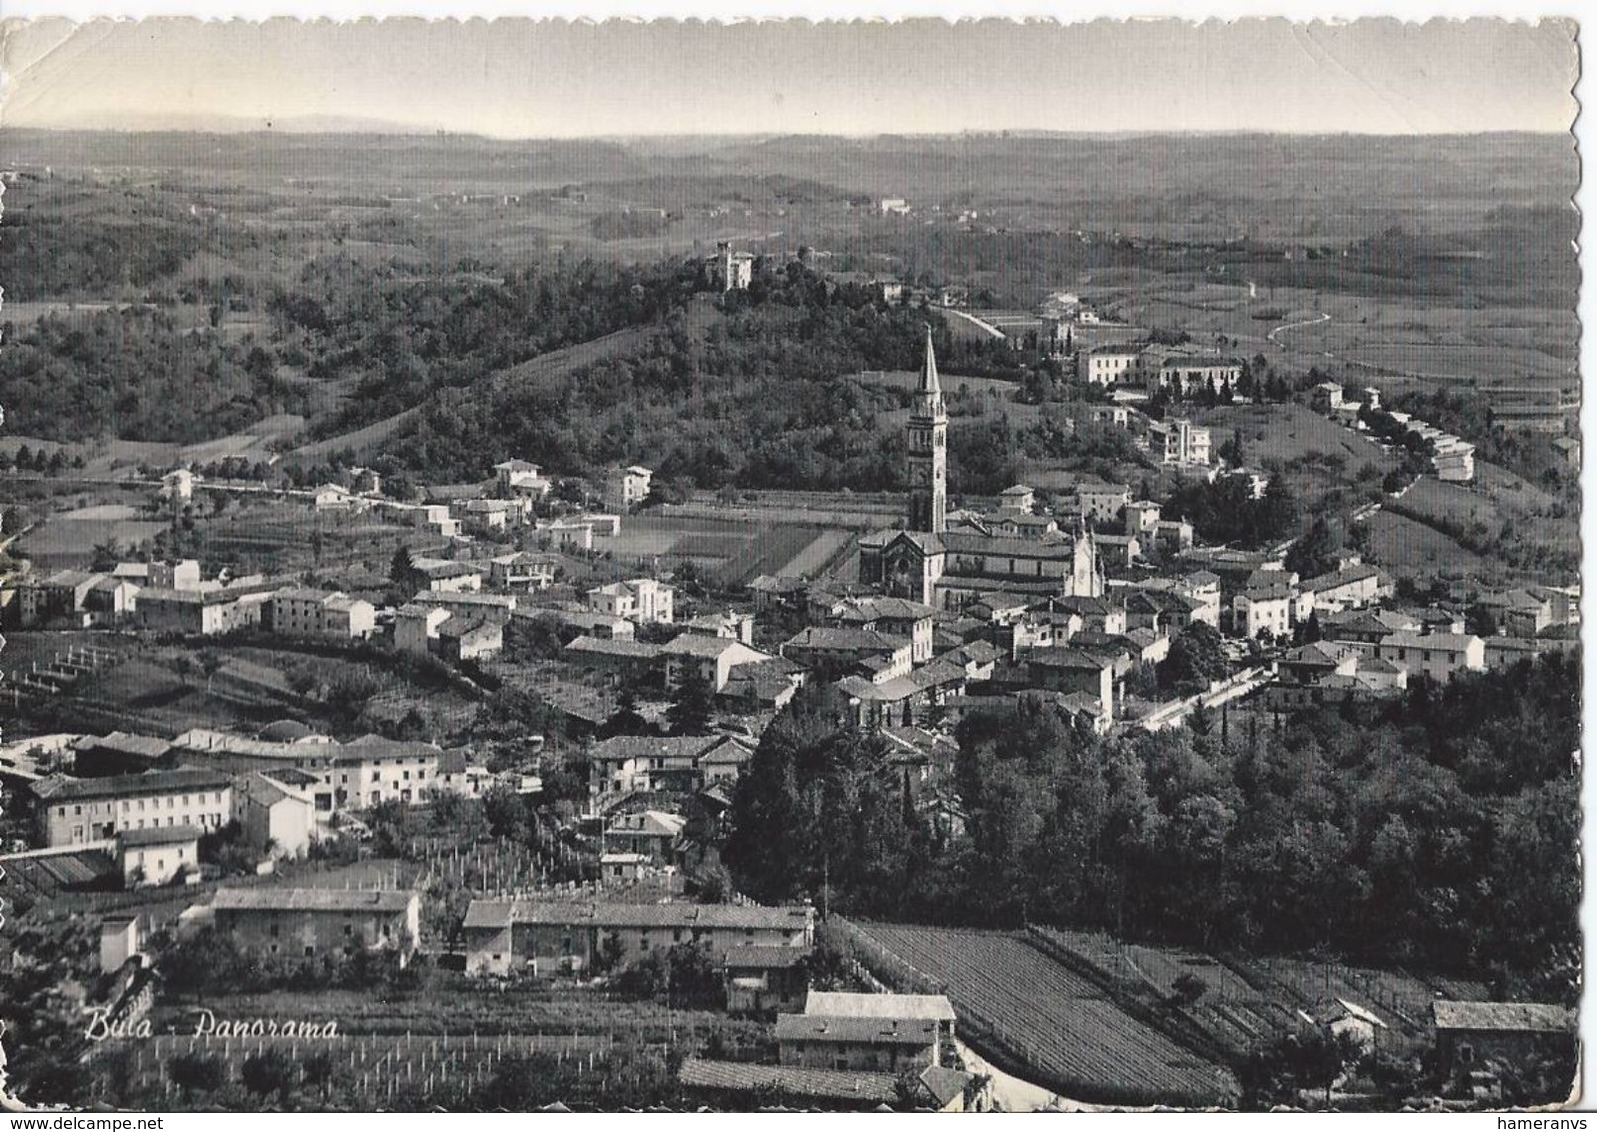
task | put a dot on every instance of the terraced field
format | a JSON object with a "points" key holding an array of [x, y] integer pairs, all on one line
{"points": [[1011, 996]]}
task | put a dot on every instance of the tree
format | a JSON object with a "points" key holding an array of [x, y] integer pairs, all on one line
{"points": [[1196, 659], [196, 1072], [402, 571], [270, 1071], [1188, 988], [211, 662], [693, 709], [1315, 551], [506, 812], [317, 1072], [626, 719]]}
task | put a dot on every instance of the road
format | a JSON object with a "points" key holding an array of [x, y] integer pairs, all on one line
{"points": [[1011, 1094], [1323, 317]]}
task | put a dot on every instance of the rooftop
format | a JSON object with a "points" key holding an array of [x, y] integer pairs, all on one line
{"points": [[275, 899], [499, 913], [60, 788], [917, 1032], [166, 835], [844, 1004], [764, 958], [1521, 1017], [827, 1084]]}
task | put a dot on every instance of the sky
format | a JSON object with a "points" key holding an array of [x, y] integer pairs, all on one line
{"points": [[523, 78]]}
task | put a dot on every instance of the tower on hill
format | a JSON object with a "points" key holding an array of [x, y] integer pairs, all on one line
{"points": [[928, 450]]}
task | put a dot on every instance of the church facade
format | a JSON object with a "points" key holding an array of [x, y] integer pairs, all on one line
{"points": [[948, 563]]}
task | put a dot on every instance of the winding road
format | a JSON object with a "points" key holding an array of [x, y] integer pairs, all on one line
{"points": [[1323, 317]]}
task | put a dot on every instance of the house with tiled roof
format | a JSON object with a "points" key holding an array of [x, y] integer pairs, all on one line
{"points": [[1441, 656], [1492, 1037], [1351, 587], [158, 855], [652, 834], [627, 763], [711, 659]]}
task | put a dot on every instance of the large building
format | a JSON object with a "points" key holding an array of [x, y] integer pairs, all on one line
{"points": [[547, 937], [317, 613], [730, 270], [77, 811]]}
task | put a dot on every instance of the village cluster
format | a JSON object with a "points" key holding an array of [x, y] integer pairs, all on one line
{"points": [[1075, 604]]}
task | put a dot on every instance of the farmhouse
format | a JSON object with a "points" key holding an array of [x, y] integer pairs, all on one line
{"points": [[629, 660], [441, 575], [518, 477], [738, 1085], [1471, 1035], [709, 659], [626, 487], [317, 613], [1352, 587], [205, 611], [318, 921], [277, 810], [652, 835], [1186, 374], [416, 626], [523, 570]]}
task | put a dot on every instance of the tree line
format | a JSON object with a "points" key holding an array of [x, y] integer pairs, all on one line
{"points": [[1437, 830]]}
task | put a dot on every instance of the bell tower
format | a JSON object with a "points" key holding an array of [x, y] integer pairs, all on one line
{"points": [[928, 450]]}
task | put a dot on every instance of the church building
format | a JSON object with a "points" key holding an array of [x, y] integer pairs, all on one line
{"points": [[950, 564]]}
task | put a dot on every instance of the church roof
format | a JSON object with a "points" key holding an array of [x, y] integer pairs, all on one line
{"points": [[880, 540], [970, 542]]}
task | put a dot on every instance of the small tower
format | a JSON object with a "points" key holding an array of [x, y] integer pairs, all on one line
{"points": [[723, 265], [928, 450], [1086, 576]]}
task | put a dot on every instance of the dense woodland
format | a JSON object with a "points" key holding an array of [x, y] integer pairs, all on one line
{"points": [[1439, 831], [138, 374]]}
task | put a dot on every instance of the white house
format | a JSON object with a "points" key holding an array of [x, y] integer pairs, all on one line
{"points": [[1440, 656], [643, 600]]}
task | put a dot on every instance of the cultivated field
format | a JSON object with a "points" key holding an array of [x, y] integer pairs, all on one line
{"points": [[1360, 336], [383, 1071], [1057, 1024], [1248, 1003], [733, 551]]}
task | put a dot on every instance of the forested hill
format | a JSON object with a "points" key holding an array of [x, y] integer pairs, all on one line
{"points": [[573, 364], [750, 387]]}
